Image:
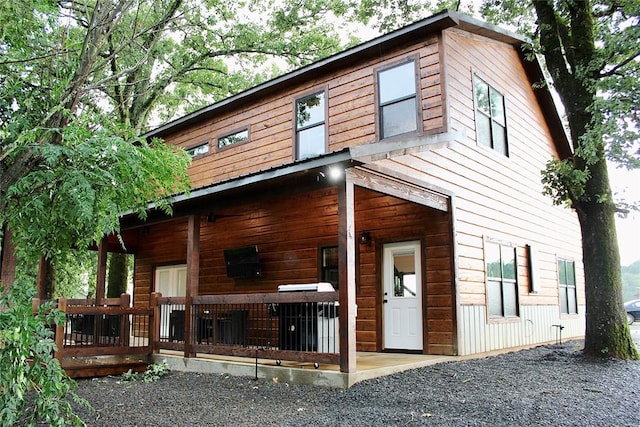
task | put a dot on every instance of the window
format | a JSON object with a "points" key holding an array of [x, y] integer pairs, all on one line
{"points": [[502, 283], [397, 98], [198, 150], [329, 265], [310, 120], [567, 286], [491, 123], [233, 138]]}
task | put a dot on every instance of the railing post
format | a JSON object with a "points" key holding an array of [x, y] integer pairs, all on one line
{"points": [[154, 324], [125, 324], [35, 305], [59, 334]]}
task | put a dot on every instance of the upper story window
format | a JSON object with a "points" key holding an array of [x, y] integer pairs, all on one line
{"points": [[310, 126], [567, 286], [198, 150], [233, 138], [502, 282], [491, 120], [397, 100]]}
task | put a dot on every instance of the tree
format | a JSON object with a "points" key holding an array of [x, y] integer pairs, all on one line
{"points": [[591, 53]]}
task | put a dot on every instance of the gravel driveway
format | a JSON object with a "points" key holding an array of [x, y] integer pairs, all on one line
{"points": [[546, 386]]}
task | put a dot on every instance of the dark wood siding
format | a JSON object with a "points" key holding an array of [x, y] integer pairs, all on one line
{"points": [[289, 232], [351, 117]]}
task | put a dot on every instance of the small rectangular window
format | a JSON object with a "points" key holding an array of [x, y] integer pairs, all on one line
{"points": [[502, 280], [397, 100], [310, 126], [198, 150], [491, 122], [329, 265], [233, 138], [567, 287]]}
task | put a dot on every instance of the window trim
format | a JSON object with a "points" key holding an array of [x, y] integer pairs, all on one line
{"points": [[567, 286], [201, 144], [477, 111], [325, 123], [235, 144], [417, 104], [515, 282]]}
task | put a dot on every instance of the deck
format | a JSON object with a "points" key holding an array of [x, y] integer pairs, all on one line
{"points": [[100, 366]]}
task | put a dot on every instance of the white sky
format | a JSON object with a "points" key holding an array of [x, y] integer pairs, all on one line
{"points": [[627, 183]]}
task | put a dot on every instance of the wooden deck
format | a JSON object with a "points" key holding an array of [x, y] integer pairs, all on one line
{"points": [[101, 366]]}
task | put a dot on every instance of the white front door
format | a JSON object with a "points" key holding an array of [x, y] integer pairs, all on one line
{"points": [[170, 281], [402, 300]]}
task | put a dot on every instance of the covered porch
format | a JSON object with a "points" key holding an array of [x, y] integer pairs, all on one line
{"points": [[304, 225]]}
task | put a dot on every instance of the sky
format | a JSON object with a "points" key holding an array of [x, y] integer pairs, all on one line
{"points": [[627, 183]]}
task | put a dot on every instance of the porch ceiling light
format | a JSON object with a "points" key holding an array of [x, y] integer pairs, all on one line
{"points": [[335, 173]]}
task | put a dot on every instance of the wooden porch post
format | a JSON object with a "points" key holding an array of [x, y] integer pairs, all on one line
{"points": [[193, 279], [59, 334], [154, 324], [101, 275], [125, 324], [346, 272]]}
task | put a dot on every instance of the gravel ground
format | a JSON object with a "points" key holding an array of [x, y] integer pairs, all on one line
{"points": [[545, 386]]}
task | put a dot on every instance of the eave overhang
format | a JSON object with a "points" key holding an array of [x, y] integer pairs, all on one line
{"points": [[298, 174]]}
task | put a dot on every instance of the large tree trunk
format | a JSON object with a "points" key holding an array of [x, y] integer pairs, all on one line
{"points": [[607, 333], [570, 51]]}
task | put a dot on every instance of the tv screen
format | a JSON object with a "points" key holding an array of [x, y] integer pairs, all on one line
{"points": [[242, 262]]}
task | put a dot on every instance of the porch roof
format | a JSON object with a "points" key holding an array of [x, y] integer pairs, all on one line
{"points": [[292, 175]]}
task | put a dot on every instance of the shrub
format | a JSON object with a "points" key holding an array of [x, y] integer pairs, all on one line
{"points": [[33, 386]]}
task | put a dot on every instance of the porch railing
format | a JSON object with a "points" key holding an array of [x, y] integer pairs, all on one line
{"points": [[295, 326], [300, 326], [111, 327]]}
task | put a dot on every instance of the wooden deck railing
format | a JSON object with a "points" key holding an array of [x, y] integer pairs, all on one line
{"points": [[297, 326], [111, 327], [300, 326]]}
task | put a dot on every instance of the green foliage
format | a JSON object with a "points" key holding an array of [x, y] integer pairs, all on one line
{"points": [[33, 386], [80, 188], [597, 78], [153, 373], [563, 182]]}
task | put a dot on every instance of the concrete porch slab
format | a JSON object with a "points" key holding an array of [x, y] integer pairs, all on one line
{"points": [[368, 365]]}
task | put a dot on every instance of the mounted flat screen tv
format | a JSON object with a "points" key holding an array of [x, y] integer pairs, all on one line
{"points": [[242, 262]]}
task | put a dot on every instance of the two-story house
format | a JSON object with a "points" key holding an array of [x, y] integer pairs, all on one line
{"points": [[406, 171]]}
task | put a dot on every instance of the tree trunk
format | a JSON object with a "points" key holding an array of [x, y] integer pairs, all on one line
{"points": [[117, 281], [607, 333]]}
